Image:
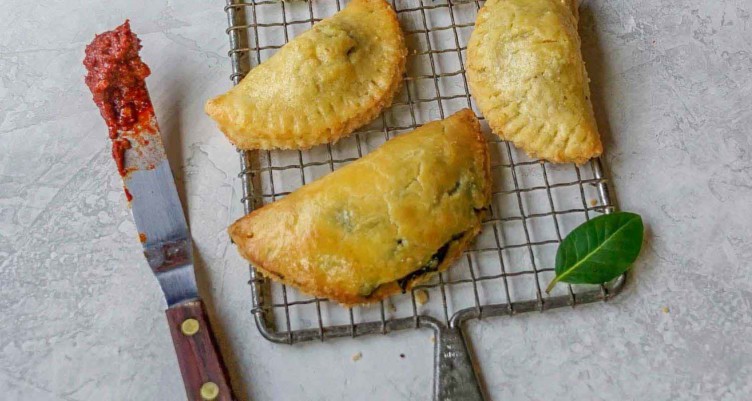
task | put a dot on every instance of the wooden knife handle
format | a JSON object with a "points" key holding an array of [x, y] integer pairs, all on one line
{"points": [[204, 374]]}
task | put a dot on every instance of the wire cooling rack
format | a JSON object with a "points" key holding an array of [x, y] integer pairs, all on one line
{"points": [[534, 203]]}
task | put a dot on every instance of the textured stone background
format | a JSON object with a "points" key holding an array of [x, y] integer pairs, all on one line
{"points": [[82, 317]]}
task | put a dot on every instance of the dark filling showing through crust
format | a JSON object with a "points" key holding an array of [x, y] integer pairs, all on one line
{"points": [[431, 266], [454, 189]]}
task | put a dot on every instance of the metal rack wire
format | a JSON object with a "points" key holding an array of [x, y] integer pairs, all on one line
{"points": [[534, 204]]}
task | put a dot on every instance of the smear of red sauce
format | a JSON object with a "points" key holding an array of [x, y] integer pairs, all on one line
{"points": [[128, 195], [119, 146], [142, 237], [116, 79]]}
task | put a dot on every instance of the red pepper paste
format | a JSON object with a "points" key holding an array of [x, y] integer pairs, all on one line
{"points": [[116, 79], [128, 195]]}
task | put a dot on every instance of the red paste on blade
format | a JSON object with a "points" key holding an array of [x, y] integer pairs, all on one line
{"points": [[116, 79], [128, 195]]}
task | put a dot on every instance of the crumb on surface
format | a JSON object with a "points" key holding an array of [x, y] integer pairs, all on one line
{"points": [[390, 305], [433, 339], [665, 309], [593, 202], [356, 356], [402, 355], [421, 296]]}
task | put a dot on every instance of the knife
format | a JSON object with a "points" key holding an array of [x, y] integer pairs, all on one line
{"points": [[116, 78]]}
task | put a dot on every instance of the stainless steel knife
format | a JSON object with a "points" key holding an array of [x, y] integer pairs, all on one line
{"points": [[116, 78], [167, 246]]}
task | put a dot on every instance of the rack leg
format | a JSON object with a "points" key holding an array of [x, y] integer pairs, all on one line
{"points": [[454, 377]]}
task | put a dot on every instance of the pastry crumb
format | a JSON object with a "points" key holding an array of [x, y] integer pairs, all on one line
{"points": [[593, 202], [402, 356], [356, 357], [421, 297], [665, 309]]}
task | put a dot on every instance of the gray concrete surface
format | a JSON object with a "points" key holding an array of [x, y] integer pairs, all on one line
{"points": [[82, 317]]}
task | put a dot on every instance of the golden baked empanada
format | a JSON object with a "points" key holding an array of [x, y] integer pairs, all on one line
{"points": [[525, 70], [380, 224], [320, 86]]}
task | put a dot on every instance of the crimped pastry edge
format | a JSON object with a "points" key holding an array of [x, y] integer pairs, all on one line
{"points": [[387, 289]]}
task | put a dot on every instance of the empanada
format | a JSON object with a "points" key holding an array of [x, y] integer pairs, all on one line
{"points": [[525, 70], [381, 224], [320, 86]]}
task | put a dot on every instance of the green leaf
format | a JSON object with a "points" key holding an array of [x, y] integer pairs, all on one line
{"points": [[599, 250]]}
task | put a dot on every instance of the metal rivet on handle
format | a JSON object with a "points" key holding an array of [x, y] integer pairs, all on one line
{"points": [[209, 391], [189, 327]]}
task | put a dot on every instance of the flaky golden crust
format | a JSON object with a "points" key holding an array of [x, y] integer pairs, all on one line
{"points": [[321, 86], [381, 224], [526, 72]]}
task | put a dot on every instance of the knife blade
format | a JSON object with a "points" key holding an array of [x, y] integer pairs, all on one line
{"points": [[116, 77], [159, 217]]}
